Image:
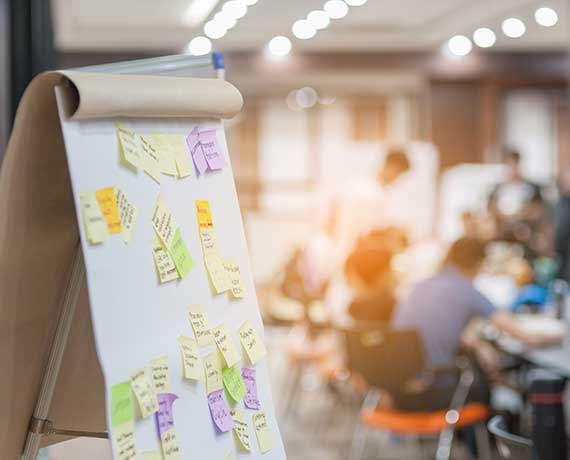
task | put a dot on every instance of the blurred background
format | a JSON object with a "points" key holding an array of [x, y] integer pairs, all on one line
{"points": [[405, 124]]}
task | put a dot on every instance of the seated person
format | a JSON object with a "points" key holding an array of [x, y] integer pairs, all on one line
{"points": [[440, 309], [371, 281]]}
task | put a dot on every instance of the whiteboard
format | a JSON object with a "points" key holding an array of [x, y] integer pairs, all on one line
{"points": [[136, 319]]}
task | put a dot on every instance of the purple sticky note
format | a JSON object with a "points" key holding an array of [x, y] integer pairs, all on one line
{"points": [[251, 400], [164, 415], [193, 142], [211, 149], [220, 411]]}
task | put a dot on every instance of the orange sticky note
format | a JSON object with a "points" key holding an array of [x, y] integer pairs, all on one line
{"points": [[108, 204]]}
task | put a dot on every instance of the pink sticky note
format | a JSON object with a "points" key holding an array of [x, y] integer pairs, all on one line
{"points": [[164, 415], [193, 142], [220, 411], [211, 149], [251, 400]]}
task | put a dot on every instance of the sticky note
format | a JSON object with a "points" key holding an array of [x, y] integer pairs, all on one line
{"points": [[213, 369], [251, 342], [94, 222], [204, 214], [241, 429], [129, 151], [160, 375], [209, 243], [150, 161], [163, 262], [225, 344], [262, 432], [251, 399], [237, 288], [165, 426], [211, 149], [217, 273], [128, 214], [163, 222], [180, 255], [233, 383], [166, 161], [122, 421], [108, 204], [143, 389], [180, 153], [121, 403], [191, 360], [220, 411], [150, 455], [229, 456], [196, 151], [200, 325]]}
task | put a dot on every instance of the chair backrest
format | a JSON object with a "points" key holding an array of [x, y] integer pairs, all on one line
{"points": [[384, 357], [510, 446]]}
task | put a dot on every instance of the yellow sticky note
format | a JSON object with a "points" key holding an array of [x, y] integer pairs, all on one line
{"points": [[241, 429], [225, 344], [237, 288], [129, 151], [208, 240], [217, 272], [150, 455], [191, 360], [128, 214], [149, 159], [167, 163], [203, 213], [108, 204], [143, 389], [262, 431], [94, 222], [200, 325], [213, 369], [163, 222], [169, 442], [181, 154], [163, 262], [229, 456], [124, 442], [180, 255], [252, 343], [160, 375]]}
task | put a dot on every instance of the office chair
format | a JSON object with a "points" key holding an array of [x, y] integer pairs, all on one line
{"points": [[387, 359], [510, 446]]}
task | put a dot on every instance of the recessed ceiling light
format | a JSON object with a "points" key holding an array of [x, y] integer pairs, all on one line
{"points": [[306, 97], [484, 37], [199, 46], [225, 19], [214, 29], [513, 27], [249, 2], [235, 9], [318, 19], [336, 9], [279, 46], [303, 29], [355, 2], [198, 11], [546, 17], [459, 45]]}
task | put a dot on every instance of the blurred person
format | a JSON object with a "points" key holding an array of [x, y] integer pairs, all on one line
{"points": [[562, 227], [371, 281], [441, 309]]}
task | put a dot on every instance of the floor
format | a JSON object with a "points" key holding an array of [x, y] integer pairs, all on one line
{"points": [[317, 426]]}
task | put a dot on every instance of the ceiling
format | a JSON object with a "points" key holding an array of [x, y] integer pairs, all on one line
{"points": [[379, 25]]}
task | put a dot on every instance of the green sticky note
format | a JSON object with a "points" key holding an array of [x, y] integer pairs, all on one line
{"points": [[233, 382], [180, 255], [121, 403]]}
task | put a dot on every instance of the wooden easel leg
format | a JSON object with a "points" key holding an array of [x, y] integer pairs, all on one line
{"points": [[39, 420]]}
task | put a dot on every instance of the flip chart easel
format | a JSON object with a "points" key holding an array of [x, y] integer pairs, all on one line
{"points": [[40, 425]]}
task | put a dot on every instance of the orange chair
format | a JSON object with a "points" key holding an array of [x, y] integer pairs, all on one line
{"points": [[387, 359]]}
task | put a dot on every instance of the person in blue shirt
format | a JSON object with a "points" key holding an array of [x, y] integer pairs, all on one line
{"points": [[440, 309]]}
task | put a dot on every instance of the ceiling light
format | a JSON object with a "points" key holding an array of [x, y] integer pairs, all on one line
{"points": [[513, 27], [336, 9], [199, 46], [214, 29], [306, 97], [235, 9], [546, 17], [249, 2], [355, 2], [459, 45], [198, 11], [327, 99], [318, 19], [292, 101], [225, 19], [484, 37], [279, 46], [303, 29]]}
